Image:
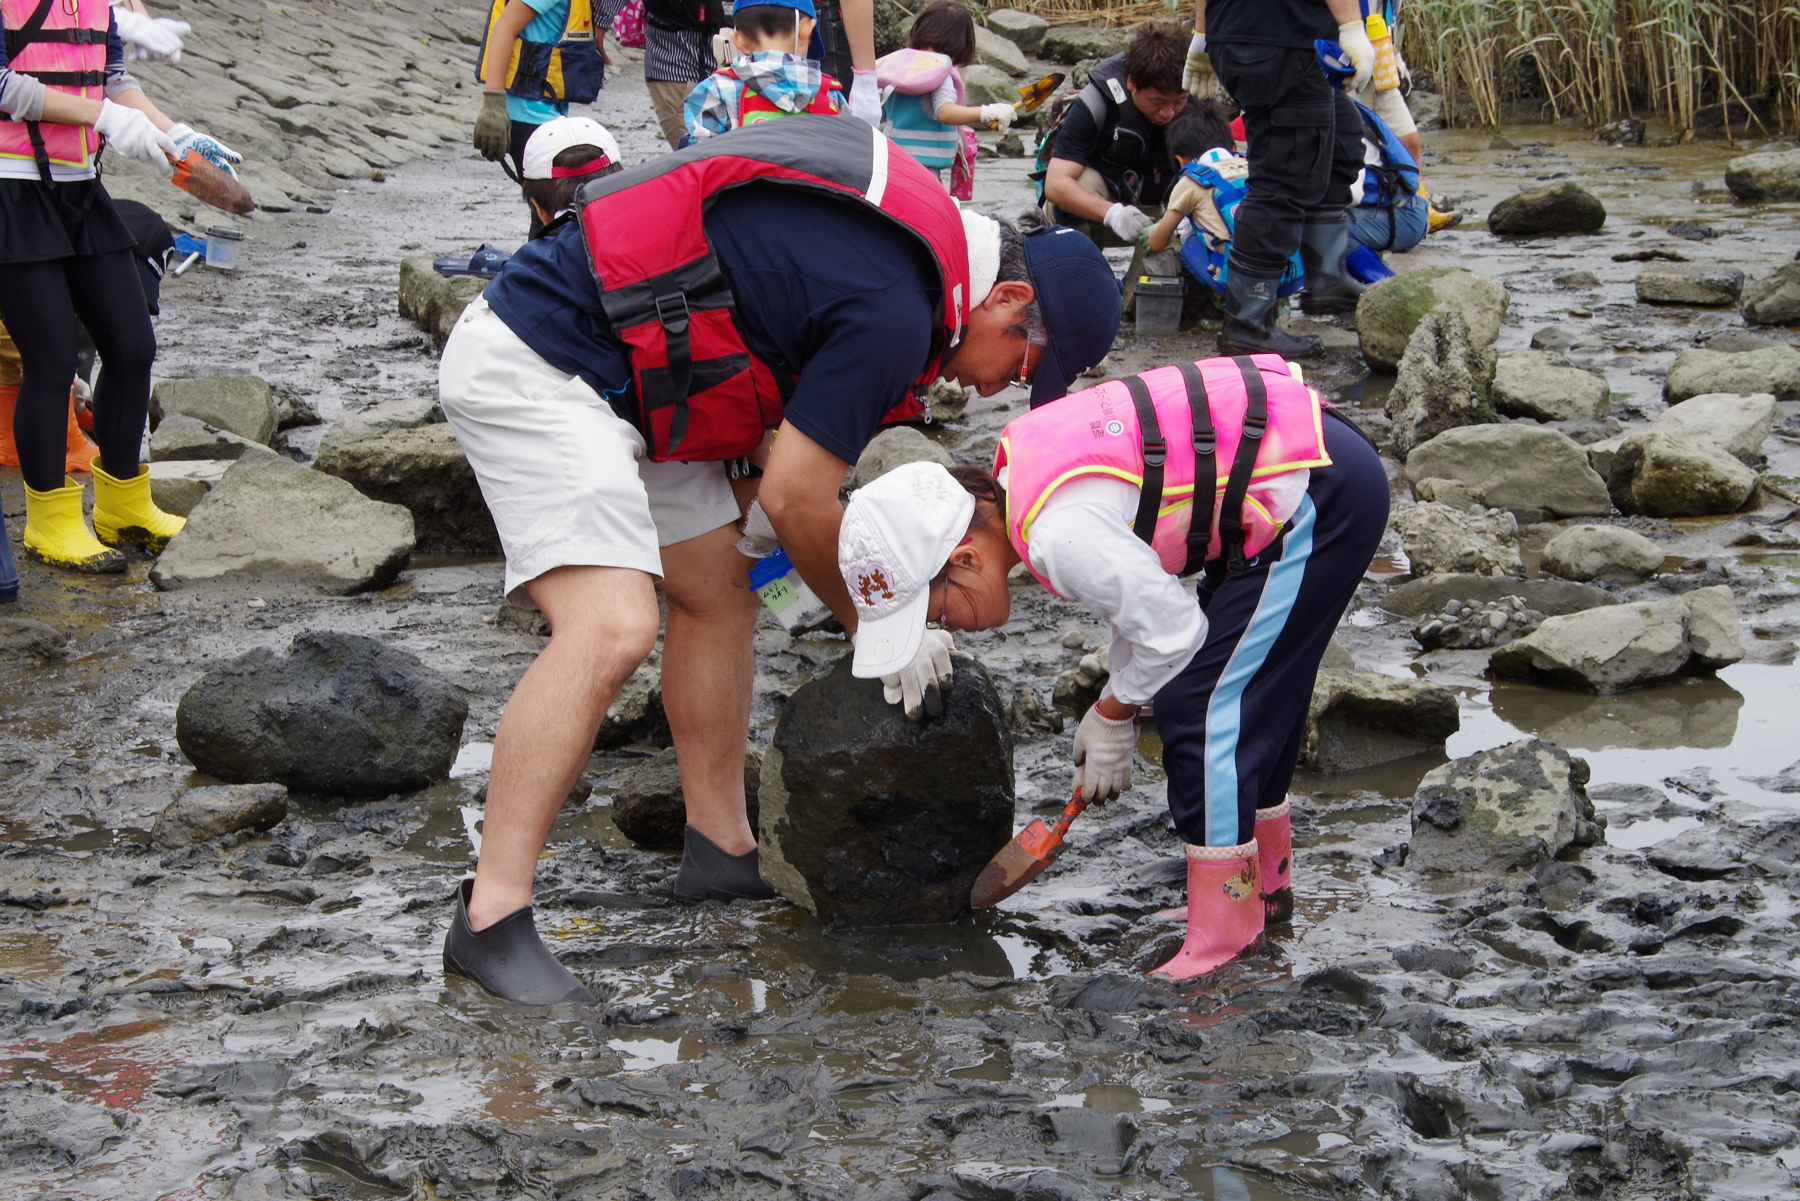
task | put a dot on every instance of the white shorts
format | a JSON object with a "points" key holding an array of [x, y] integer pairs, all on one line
{"points": [[563, 474], [1390, 106]]}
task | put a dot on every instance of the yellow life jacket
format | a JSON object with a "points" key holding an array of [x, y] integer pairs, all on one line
{"points": [[568, 70]]}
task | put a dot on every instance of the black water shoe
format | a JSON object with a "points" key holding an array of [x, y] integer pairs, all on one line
{"points": [[509, 959], [709, 874]]}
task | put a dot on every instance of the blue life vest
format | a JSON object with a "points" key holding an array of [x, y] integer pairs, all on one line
{"points": [[1207, 261], [915, 129], [1393, 181]]}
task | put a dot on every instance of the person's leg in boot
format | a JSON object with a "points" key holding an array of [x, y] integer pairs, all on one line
{"points": [[40, 315], [603, 623], [707, 667], [1325, 238], [1288, 123]]}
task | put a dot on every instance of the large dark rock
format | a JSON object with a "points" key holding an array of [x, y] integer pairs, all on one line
{"points": [[1558, 208], [1514, 806], [648, 807], [870, 819], [340, 714]]}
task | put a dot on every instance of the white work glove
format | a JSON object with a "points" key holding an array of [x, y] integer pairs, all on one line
{"points": [[129, 132], [865, 97], [724, 49], [760, 539], [1194, 77], [1128, 222], [187, 138], [1405, 74], [998, 114], [1103, 750], [150, 39], [1354, 38], [917, 686]]}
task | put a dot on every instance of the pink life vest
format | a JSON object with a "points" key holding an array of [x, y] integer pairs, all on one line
{"points": [[62, 43], [698, 392], [1245, 421]]}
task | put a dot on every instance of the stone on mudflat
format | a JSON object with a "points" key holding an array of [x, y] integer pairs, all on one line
{"points": [[988, 85], [1427, 110], [1460, 625], [36, 639], [1552, 210], [177, 485], [948, 401], [1666, 475], [1589, 431], [374, 421], [1446, 492], [1626, 132], [648, 807], [1430, 594], [292, 410], [636, 716], [239, 404], [1069, 44], [894, 447], [1515, 466], [1022, 29], [1602, 453], [994, 50], [339, 714], [1601, 552], [272, 523], [1438, 538], [425, 470], [1546, 387], [1773, 369], [1515, 806], [870, 819], [1775, 298], [1389, 311], [182, 438], [202, 814], [433, 302], [1771, 176], [1361, 718], [1688, 283], [1629, 646], [1737, 425], [1076, 689], [1442, 383]]}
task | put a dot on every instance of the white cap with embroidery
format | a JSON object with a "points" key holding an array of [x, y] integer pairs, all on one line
{"points": [[897, 535]]}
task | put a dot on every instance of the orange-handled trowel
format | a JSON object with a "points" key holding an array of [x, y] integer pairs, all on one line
{"points": [[1034, 94], [205, 182], [1024, 858]]}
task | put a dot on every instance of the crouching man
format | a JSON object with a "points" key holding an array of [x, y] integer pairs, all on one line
{"points": [[802, 275]]}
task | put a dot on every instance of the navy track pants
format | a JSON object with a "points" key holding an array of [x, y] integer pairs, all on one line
{"points": [[1232, 721]]}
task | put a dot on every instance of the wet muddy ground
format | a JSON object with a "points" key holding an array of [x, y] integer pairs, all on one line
{"points": [[267, 1017]]}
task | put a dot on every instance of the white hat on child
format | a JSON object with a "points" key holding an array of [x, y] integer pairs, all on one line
{"points": [[554, 137], [897, 535]]}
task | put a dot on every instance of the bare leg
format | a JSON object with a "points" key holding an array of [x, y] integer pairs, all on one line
{"points": [[1413, 146], [603, 623], [706, 671]]}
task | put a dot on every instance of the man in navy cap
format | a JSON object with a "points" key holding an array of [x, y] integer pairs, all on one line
{"points": [[803, 277]]}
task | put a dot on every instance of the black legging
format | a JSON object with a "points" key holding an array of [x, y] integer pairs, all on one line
{"points": [[44, 306]]}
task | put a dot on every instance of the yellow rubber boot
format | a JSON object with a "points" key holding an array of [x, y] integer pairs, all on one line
{"points": [[125, 515], [56, 534]]}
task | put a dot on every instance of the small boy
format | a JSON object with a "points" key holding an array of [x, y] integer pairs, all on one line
{"points": [[1198, 130], [559, 155], [771, 77]]}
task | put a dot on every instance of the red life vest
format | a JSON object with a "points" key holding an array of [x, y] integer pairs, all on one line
{"points": [[62, 44], [698, 391], [753, 106]]}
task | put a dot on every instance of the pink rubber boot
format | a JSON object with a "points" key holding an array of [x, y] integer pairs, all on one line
{"points": [[1275, 843], [1225, 910]]}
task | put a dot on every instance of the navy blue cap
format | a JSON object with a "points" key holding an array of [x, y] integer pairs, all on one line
{"points": [[1080, 301], [805, 6]]}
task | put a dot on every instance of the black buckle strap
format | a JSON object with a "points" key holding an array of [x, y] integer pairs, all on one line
{"points": [[1256, 423], [24, 35], [1206, 442], [69, 79], [65, 37], [672, 312], [1156, 453]]}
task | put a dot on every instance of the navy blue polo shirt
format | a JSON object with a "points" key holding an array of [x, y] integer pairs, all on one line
{"points": [[839, 297]]}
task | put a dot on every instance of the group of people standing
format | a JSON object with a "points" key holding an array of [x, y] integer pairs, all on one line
{"points": [[675, 376]]}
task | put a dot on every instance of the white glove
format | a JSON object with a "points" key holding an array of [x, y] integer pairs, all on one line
{"points": [[760, 539], [1194, 77], [917, 686], [1128, 222], [998, 114], [724, 49], [1405, 74], [129, 132], [1103, 750], [1355, 41], [150, 39], [187, 138], [865, 97]]}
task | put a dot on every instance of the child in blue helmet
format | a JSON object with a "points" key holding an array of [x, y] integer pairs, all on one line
{"points": [[770, 77]]}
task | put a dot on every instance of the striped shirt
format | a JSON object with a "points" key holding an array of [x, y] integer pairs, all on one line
{"points": [[683, 56]]}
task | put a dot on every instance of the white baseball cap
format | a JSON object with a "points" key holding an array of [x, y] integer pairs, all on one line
{"points": [[554, 137], [897, 535]]}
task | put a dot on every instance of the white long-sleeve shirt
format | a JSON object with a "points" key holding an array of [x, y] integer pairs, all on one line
{"points": [[1081, 542]]}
